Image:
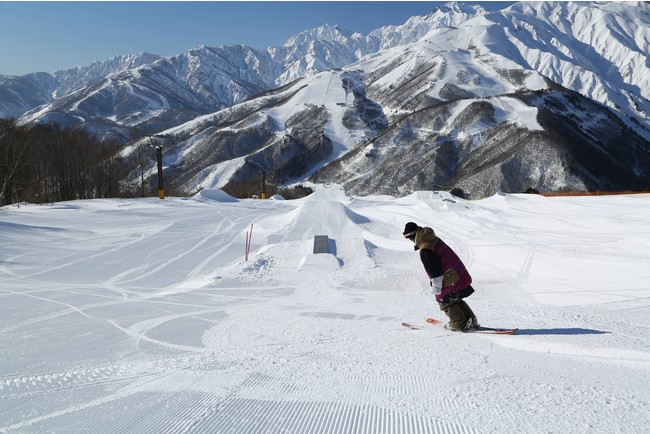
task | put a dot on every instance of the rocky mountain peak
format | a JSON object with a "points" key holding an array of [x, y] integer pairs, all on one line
{"points": [[323, 33]]}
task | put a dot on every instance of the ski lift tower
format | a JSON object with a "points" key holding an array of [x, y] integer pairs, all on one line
{"points": [[158, 147]]}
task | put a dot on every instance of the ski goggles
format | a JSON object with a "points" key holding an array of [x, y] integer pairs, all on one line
{"points": [[410, 235]]}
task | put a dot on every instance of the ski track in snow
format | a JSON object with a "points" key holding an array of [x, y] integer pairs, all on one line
{"points": [[142, 316]]}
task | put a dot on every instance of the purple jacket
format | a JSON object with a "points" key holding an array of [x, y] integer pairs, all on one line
{"points": [[455, 275]]}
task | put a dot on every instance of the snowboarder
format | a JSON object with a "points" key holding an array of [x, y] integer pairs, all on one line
{"points": [[448, 276]]}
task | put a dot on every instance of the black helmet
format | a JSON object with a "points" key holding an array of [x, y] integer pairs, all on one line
{"points": [[409, 230]]}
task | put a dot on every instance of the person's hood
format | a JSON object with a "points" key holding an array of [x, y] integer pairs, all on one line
{"points": [[425, 238]]}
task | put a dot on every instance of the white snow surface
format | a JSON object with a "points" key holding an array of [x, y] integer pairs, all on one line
{"points": [[142, 316]]}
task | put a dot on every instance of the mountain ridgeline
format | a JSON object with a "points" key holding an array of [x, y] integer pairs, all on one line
{"points": [[543, 95]]}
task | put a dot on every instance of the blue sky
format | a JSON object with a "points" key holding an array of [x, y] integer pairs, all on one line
{"points": [[49, 36]]}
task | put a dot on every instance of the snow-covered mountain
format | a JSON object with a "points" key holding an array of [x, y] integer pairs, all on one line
{"points": [[545, 95], [20, 94]]}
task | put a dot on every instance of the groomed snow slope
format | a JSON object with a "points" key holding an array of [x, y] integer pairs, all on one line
{"points": [[142, 316]]}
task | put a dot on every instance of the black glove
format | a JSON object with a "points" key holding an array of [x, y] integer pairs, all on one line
{"points": [[450, 299]]}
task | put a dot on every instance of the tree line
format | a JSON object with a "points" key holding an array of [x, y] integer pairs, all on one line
{"points": [[47, 163]]}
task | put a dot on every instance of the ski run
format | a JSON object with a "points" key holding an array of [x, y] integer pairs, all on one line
{"points": [[143, 316]]}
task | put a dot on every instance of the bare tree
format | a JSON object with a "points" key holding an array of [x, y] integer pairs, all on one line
{"points": [[45, 163], [15, 156]]}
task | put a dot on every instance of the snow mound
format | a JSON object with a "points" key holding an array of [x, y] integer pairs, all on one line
{"points": [[312, 218], [214, 196], [329, 195], [430, 196], [438, 201], [326, 218]]}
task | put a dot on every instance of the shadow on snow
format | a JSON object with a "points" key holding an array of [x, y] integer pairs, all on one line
{"points": [[563, 331]]}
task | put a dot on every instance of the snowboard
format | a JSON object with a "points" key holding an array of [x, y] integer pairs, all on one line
{"points": [[481, 329]]}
